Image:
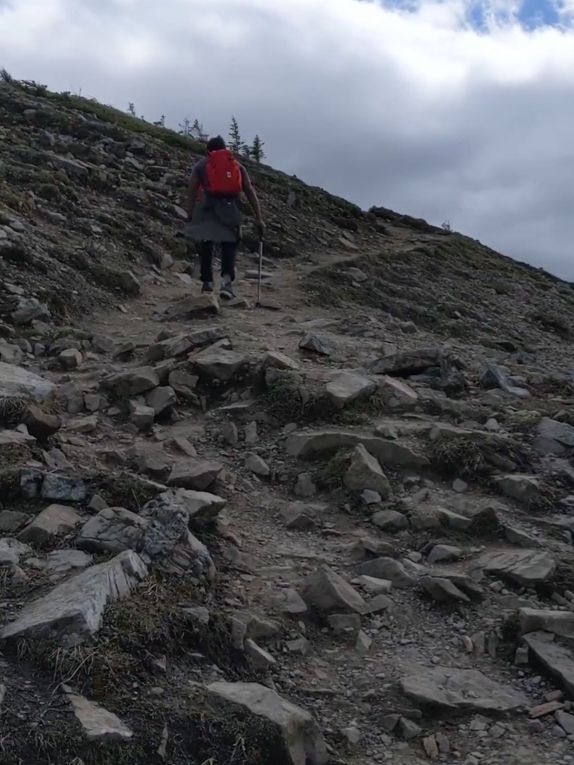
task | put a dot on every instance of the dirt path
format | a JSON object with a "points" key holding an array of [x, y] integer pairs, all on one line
{"points": [[350, 692]]}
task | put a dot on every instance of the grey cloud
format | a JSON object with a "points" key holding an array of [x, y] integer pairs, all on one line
{"points": [[337, 105]]}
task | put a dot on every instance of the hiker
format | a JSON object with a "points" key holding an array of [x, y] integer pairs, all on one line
{"points": [[214, 212]]}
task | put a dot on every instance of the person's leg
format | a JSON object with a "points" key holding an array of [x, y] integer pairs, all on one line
{"points": [[206, 264], [228, 258]]}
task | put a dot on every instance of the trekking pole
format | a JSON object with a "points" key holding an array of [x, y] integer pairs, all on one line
{"points": [[259, 275]]}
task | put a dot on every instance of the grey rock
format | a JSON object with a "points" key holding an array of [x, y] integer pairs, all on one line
{"points": [[348, 387], [303, 740], [230, 433], [553, 437], [71, 358], [397, 395], [12, 520], [17, 382], [277, 360], [251, 434], [327, 592], [98, 724], [219, 364], [73, 611], [523, 567], [390, 520], [522, 488], [299, 516], [290, 602], [259, 658], [559, 622], [364, 472], [557, 659], [161, 399], [305, 486], [565, 721], [366, 548], [141, 415], [194, 305], [200, 508], [369, 497], [345, 624], [132, 382], [199, 615], [54, 521], [407, 363], [373, 585], [390, 569], [461, 690], [61, 562], [306, 445], [442, 553], [257, 465], [316, 344], [195, 474], [496, 377], [11, 550], [443, 590], [408, 729], [113, 530], [61, 488]]}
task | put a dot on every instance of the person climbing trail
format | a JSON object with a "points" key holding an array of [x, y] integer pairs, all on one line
{"points": [[214, 212]]}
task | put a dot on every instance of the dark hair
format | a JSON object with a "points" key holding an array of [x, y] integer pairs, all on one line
{"points": [[216, 144]]}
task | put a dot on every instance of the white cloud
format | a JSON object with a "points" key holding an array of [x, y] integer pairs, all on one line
{"points": [[411, 108]]}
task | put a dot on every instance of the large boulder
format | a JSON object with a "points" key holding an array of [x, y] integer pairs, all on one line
{"points": [[73, 611], [327, 592], [16, 382], [306, 445], [496, 377], [302, 738], [461, 690], [523, 488]]}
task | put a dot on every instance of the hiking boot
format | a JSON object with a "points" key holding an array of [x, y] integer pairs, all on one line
{"points": [[207, 287], [226, 292]]}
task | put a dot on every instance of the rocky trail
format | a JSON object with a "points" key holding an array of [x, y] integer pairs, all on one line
{"points": [[335, 530]]}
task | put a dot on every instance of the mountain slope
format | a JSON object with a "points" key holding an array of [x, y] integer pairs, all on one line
{"points": [[335, 532]]}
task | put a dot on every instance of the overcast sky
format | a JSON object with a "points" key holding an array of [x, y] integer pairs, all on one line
{"points": [[452, 110]]}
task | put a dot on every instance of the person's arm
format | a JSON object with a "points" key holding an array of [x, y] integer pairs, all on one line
{"points": [[192, 190], [253, 200]]}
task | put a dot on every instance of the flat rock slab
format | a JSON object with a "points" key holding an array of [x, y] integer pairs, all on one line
{"points": [[461, 690], [536, 620], [524, 567], [306, 445], [193, 306], [557, 659], [301, 735], [73, 611], [17, 382], [98, 724]]}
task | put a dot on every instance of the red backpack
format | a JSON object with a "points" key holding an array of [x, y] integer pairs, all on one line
{"points": [[223, 174]]}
